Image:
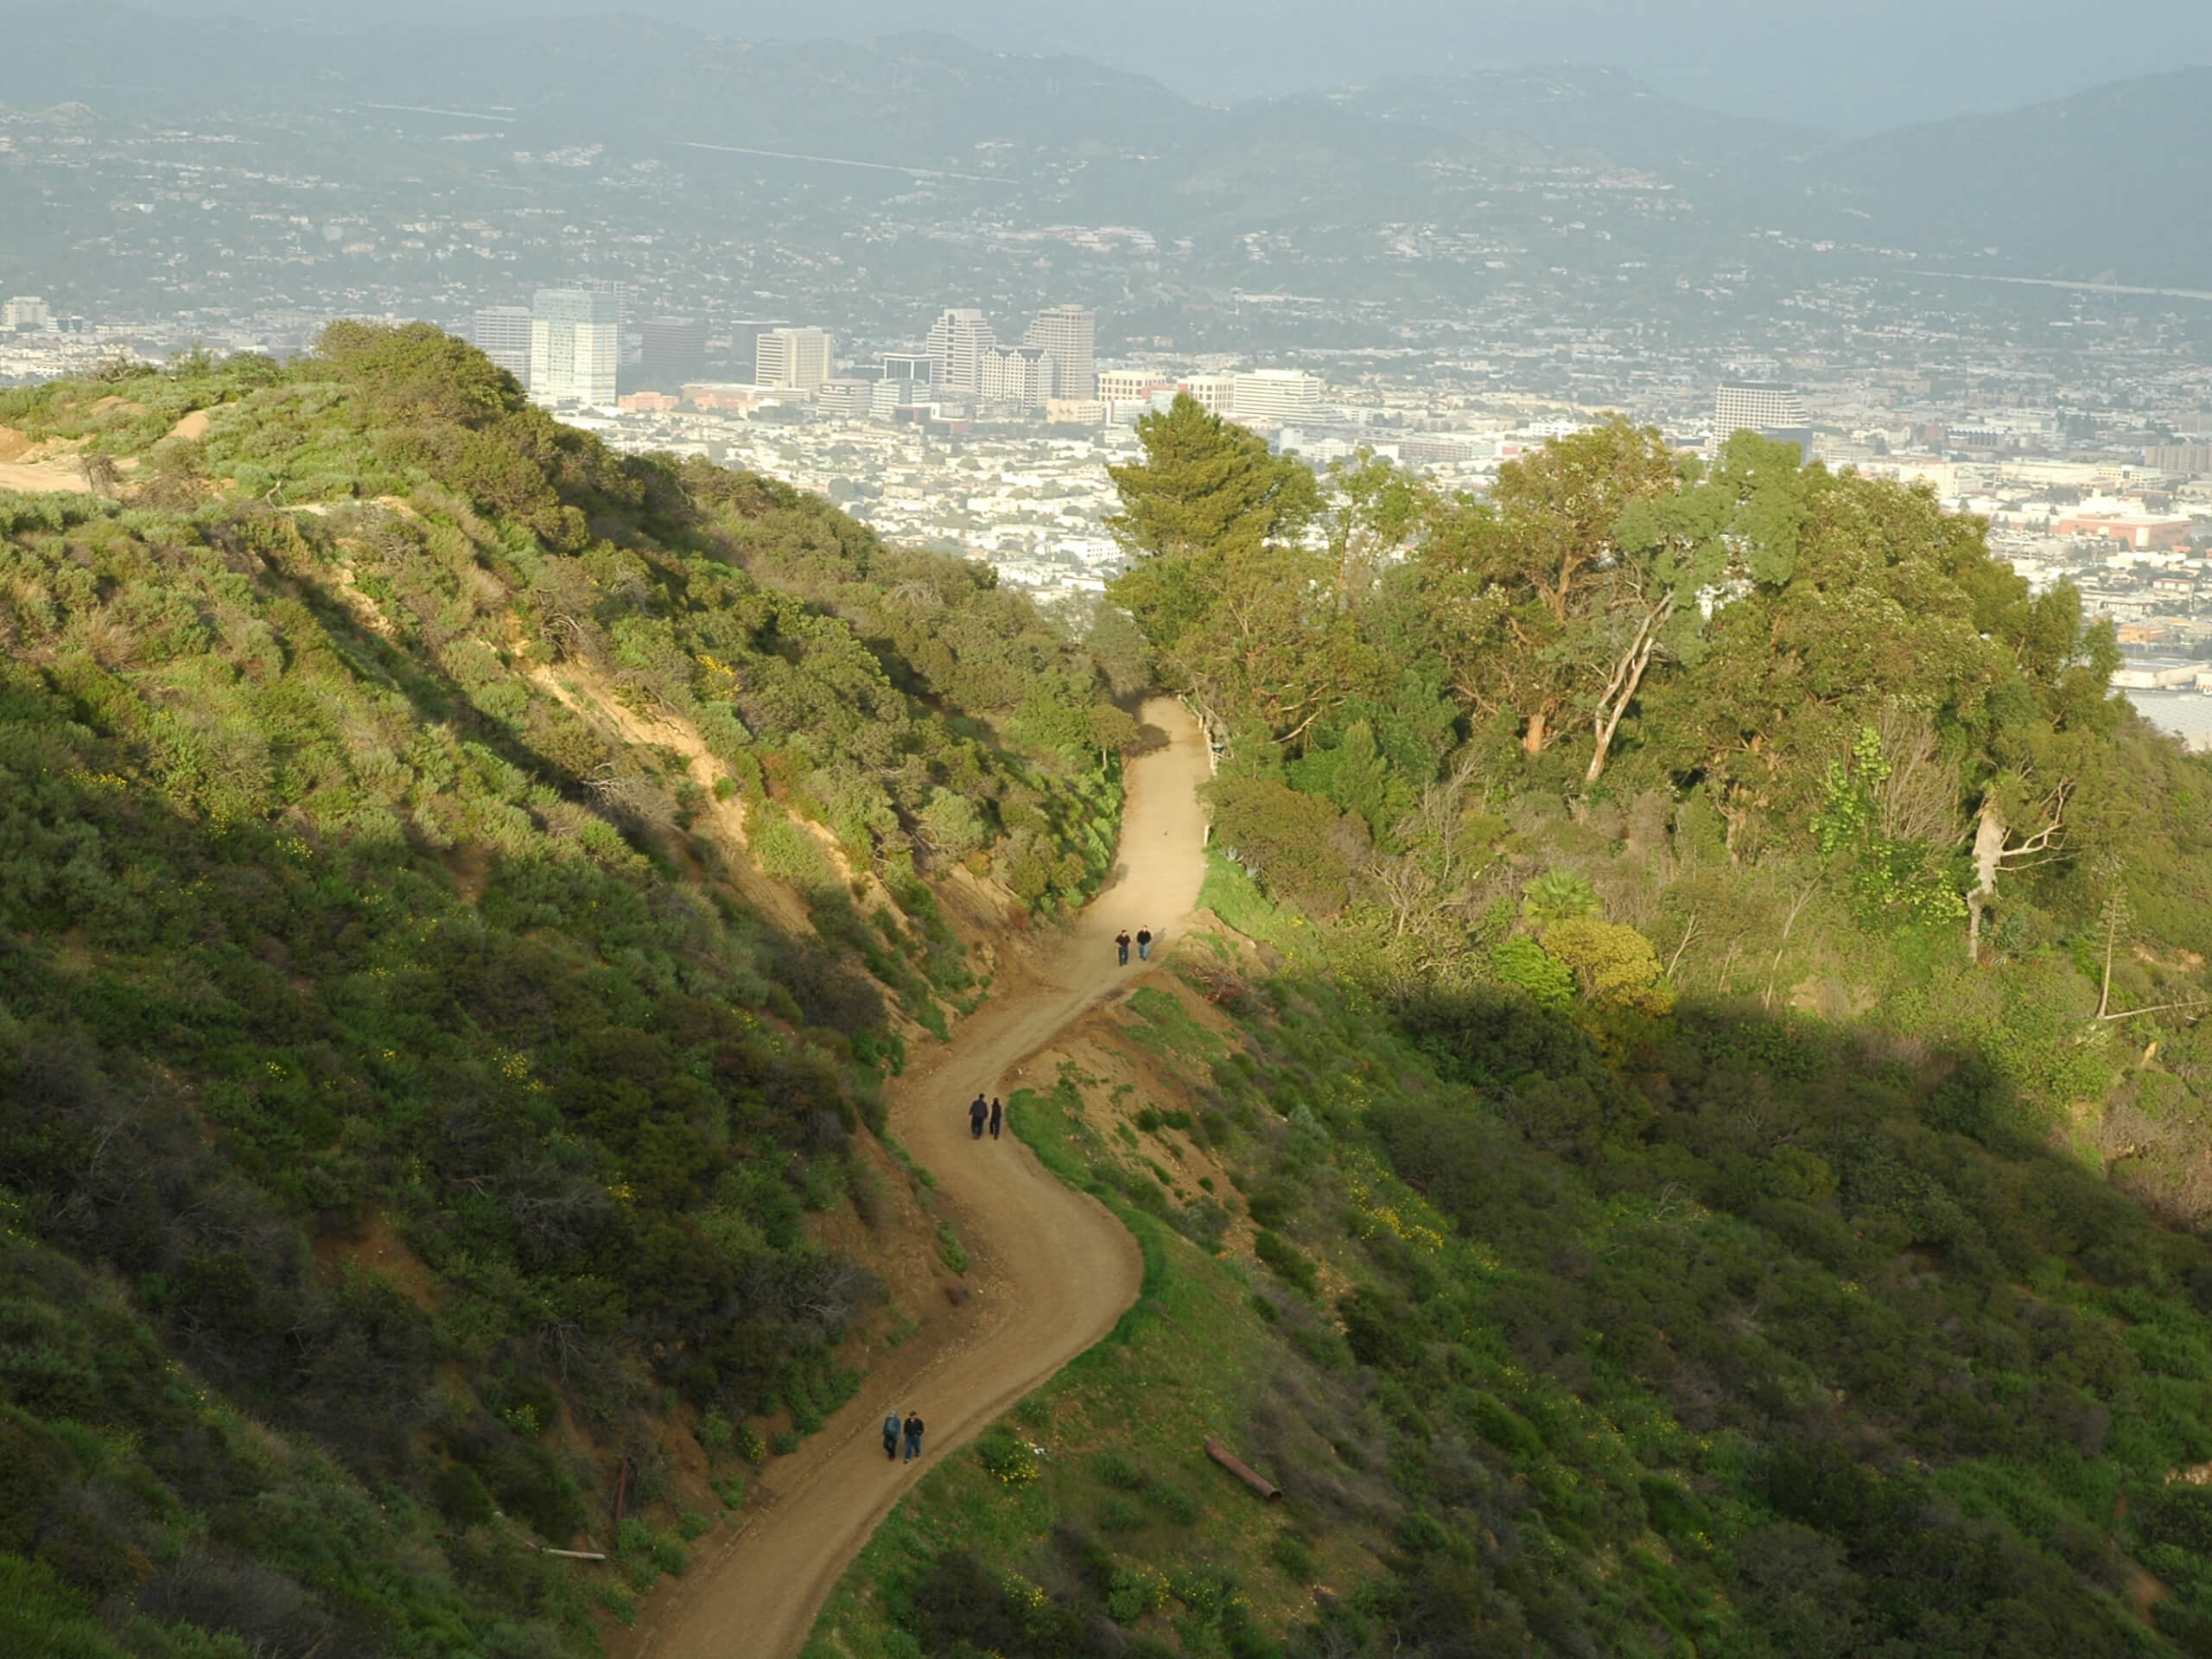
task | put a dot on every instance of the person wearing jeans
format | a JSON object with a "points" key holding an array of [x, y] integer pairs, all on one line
{"points": [[913, 1435]]}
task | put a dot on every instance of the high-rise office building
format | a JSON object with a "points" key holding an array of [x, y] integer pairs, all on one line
{"points": [[957, 342], [1271, 396], [793, 360], [502, 334], [673, 350], [1755, 408], [914, 370], [575, 347], [1070, 333], [745, 339], [626, 350]]}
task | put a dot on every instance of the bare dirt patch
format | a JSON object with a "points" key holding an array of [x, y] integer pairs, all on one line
{"points": [[377, 1249], [41, 477]]}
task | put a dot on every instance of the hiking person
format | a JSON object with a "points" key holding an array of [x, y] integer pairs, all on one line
{"points": [[998, 1116], [978, 1110], [891, 1426], [1144, 944], [913, 1435], [1121, 944]]}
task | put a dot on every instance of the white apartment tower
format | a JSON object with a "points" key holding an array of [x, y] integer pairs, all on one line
{"points": [[1070, 333], [1274, 397], [502, 334], [575, 347], [1743, 408], [793, 360], [1016, 374], [957, 343], [26, 314]]}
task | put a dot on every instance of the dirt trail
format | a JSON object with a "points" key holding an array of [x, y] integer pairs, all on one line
{"points": [[1050, 1270]]}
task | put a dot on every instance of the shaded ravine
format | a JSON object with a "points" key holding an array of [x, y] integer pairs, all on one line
{"points": [[1050, 1270]]}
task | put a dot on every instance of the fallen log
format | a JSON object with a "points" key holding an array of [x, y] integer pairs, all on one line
{"points": [[1243, 1471], [570, 1554]]}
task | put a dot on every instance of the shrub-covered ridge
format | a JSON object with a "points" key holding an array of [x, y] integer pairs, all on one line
{"points": [[461, 892]]}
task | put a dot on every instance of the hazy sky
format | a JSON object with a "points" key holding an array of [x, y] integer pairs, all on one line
{"points": [[1851, 64]]}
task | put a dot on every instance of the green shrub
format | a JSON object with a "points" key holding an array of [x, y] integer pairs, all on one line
{"points": [[949, 1250], [1289, 1263], [1117, 1471], [1117, 1514], [1133, 1591], [716, 1436], [1173, 1502], [1292, 1555], [1007, 1458]]}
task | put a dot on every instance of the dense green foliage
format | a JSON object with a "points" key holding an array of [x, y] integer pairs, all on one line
{"points": [[1800, 731], [404, 1107], [1731, 1334]]}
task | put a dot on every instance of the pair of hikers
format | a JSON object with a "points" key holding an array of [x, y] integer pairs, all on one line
{"points": [[1144, 946], [979, 1112], [910, 1431]]}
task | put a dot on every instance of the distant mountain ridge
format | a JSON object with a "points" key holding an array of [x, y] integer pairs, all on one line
{"points": [[2110, 184], [2104, 184], [1580, 107]]}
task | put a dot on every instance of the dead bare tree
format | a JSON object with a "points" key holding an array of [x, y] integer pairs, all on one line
{"points": [[1690, 932], [1919, 799], [2115, 920], [1775, 967], [1436, 872], [1996, 849], [102, 476]]}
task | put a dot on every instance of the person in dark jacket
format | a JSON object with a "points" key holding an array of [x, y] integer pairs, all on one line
{"points": [[998, 1116], [891, 1430], [1144, 944], [1121, 944], [913, 1435], [978, 1110]]}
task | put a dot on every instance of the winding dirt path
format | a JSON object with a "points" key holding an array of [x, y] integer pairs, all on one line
{"points": [[1050, 1270]]}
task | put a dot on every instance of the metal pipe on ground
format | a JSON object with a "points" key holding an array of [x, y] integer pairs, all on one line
{"points": [[1243, 1471]]}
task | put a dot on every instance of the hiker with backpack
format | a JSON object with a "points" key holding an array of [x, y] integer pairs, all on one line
{"points": [[891, 1428]]}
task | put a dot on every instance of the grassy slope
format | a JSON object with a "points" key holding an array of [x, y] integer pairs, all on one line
{"points": [[1805, 1360]]}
